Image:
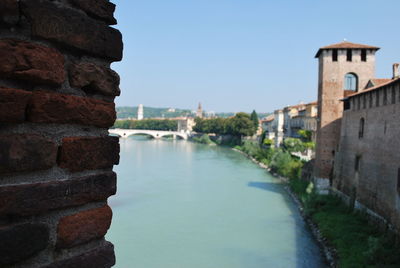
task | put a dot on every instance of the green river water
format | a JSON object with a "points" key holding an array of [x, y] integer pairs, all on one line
{"points": [[186, 205]]}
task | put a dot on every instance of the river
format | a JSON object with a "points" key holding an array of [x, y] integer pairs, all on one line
{"points": [[186, 205]]}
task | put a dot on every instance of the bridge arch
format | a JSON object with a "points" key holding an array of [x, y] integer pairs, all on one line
{"points": [[173, 134], [124, 133], [154, 136]]}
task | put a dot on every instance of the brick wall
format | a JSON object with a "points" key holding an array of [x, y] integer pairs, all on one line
{"points": [[331, 84], [372, 183], [56, 104]]}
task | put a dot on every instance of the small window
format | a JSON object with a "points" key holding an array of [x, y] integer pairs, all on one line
{"points": [[377, 99], [397, 87], [363, 55], [346, 105], [370, 100], [398, 180], [357, 163], [393, 95], [385, 96], [349, 55], [398, 90], [361, 128], [364, 101], [334, 55], [350, 82]]}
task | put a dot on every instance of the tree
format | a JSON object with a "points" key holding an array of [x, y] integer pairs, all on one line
{"points": [[305, 135], [254, 118], [240, 125], [293, 145]]}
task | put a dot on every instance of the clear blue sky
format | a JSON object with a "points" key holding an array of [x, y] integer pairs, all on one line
{"points": [[239, 55]]}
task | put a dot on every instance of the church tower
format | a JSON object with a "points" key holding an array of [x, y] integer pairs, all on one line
{"points": [[140, 113], [343, 69], [199, 112]]}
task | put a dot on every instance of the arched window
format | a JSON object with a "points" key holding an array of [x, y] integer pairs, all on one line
{"points": [[351, 82], [361, 129]]}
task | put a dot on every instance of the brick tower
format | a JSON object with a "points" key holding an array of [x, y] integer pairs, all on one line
{"points": [[344, 68]]}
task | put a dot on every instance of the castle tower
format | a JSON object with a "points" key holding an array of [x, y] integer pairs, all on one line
{"points": [[140, 112], [199, 112], [343, 68]]}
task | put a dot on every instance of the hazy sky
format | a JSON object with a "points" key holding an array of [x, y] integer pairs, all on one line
{"points": [[239, 55]]}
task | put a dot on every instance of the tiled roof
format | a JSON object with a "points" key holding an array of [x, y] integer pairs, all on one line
{"points": [[391, 81], [344, 45], [297, 106], [268, 118], [379, 81]]}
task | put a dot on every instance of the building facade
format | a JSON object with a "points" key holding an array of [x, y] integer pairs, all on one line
{"points": [[357, 150], [286, 122]]}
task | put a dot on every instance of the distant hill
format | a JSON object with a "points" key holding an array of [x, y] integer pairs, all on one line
{"points": [[150, 112], [126, 112]]}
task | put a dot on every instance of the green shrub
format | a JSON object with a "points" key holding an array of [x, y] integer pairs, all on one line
{"points": [[358, 243], [204, 139], [285, 165]]}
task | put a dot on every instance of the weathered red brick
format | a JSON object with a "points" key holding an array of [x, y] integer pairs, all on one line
{"points": [[13, 103], [94, 78], [31, 62], [99, 9], [37, 198], [19, 242], [50, 107], [26, 152], [9, 11], [83, 226], [83, 153], [71, 28], [100, 257]]}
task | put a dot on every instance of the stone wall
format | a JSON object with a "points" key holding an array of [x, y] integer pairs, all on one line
{"points": [[56, 103], [372, 183]]}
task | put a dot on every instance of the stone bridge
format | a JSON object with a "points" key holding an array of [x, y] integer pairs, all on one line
{"points": [[156, 134]]}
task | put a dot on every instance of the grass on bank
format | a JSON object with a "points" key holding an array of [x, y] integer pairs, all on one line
{"points": [[357, 242], [279, 160], [204, 139]]}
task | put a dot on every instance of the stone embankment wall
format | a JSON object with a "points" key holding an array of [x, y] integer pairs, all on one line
{"points": [[56, 104]]}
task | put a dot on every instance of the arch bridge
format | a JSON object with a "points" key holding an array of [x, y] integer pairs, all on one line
{"points": [[156, 134]]}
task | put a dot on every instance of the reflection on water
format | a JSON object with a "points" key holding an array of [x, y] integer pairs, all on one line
{"points": [[185, 205]]}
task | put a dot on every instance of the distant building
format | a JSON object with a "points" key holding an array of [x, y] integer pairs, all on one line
{"points": [[199, 112], [140, 113], [305, 118], [267, 127], [286, 122], [210, 114], [185, 124]]}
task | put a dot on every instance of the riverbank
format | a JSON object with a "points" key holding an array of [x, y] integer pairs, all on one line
{"points": [[328, 251], [345, 236]]}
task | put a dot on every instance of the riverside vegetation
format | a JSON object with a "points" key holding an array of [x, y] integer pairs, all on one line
{"points": [[151, 124], [357, 242]]}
